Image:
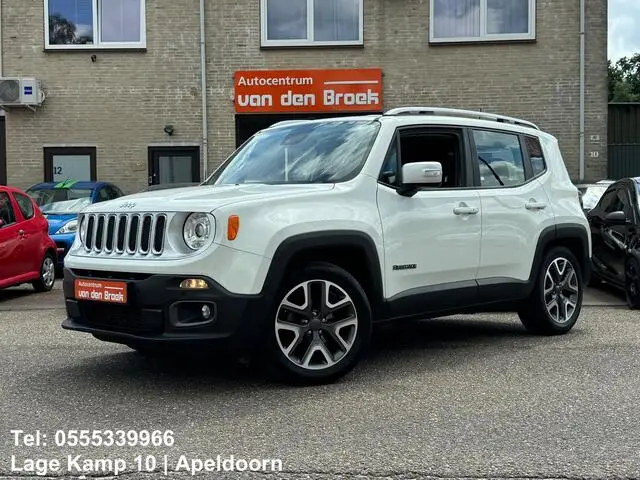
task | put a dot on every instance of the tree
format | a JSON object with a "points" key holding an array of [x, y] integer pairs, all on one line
{"points": [[63, 32], [624, 79]]}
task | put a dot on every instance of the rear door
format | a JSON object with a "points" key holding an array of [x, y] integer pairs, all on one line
{"points": [[33, 232], [515, 208], [11, 260]]}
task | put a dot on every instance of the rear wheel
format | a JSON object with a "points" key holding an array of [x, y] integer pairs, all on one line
{"points": [[632, 283], [321, 326], [556, 301], [47, 274]]}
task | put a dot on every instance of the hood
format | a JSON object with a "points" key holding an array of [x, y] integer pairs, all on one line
{"points": [[57, 221], [203, 198]]}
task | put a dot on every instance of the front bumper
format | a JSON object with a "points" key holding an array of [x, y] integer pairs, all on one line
{"points": [[158, 311]]}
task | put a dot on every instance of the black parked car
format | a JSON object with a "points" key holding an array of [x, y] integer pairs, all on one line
{"points": [[615, 233]]}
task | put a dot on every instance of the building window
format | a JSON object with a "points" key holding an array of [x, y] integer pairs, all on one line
{"points": [[482, 20], [77, 24], [311, 22], [62, 164]]}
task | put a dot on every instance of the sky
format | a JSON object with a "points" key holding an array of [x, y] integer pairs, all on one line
{"points": [[624, 28]]}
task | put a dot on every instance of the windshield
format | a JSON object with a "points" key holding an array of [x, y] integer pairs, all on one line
{"points": [[318, 152], [592, 196], [61, 201]]}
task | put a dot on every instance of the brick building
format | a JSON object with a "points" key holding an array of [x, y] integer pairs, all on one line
{"points": [[122, 80]]}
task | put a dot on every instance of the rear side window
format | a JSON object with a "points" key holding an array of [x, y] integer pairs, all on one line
{"points": [[500, 158], [536, 156], [7, 216], [25, 204]]}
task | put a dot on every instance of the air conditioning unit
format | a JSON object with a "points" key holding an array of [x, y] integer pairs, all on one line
{"points": [[20, 91]]}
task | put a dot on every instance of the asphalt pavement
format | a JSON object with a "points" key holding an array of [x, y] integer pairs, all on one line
{"points": [[459, 397]]}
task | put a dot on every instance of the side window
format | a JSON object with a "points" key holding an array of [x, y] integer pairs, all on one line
{"points": [[7, 215], [536, 157], [112, 193], [389, 171], [500, 158], [116, 192], [444, 146], [25, 205], [625, 203], [103, 195], [610, 202]]}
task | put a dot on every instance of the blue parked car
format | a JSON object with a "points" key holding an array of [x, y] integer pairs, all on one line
{"points": [[61, 202]]}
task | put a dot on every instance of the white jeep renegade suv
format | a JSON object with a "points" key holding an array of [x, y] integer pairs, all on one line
{"points": [[314, 231]]}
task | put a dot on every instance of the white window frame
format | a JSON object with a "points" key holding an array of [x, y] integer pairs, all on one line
{"points": [[484, 36], [309, 41], [97, 43]]}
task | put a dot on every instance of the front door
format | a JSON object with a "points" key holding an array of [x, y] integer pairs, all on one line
{"points": [[174, 165], [11, 259], [431, 239]]}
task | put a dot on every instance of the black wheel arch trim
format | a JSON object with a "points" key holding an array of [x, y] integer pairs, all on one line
{"points": [[562, 231], [296, 244]]}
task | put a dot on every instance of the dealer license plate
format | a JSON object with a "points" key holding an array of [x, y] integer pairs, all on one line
{"points": [[100, 291]]}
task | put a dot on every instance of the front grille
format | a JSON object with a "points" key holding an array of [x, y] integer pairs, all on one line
{"points": [[124, 233]]}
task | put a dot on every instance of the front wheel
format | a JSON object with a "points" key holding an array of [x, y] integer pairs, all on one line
{"points": [[556, 300], [321, 325], [632, 283], [47, 274]]}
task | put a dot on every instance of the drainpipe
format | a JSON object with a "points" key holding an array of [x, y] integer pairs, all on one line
{"points": [[203, 89], [1, 58], [582, 86]]}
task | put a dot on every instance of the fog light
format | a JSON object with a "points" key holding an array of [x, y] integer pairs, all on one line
{"points": [[206, 312], [194, 284]]}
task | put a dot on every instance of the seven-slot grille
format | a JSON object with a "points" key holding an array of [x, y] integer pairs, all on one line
{"points": [[125, 233]]}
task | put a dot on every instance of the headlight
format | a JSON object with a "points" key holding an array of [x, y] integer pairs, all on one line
{"points": [[83, 229], [197, 230], [69, 227]]}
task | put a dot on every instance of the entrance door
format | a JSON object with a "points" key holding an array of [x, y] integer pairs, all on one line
{"points": [[3, 152], [174, 165]]}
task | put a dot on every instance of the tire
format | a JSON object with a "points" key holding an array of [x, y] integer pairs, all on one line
{"points": [[47, 274], [555, 320], [632, 283], [308, 349]]}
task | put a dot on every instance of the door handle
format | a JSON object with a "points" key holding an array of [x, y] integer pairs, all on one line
{"points": [[533, 205], [21, 233], [464, 209]]}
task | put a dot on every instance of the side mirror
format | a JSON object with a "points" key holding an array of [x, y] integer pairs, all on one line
{"points": [[616, 218], [418, 174]]}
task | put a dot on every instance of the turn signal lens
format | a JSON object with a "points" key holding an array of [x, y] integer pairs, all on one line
{"points": [[194, 284], [233, 226]]}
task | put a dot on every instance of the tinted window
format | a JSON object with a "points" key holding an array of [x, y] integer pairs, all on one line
{"points": [[103, 194], [610, 202], [113, 192], [536, 157], [500, 158], [625, 202], [7, 216], [25, 205]]}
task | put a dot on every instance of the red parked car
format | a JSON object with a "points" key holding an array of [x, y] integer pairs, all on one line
{"points": [[27, 253]]}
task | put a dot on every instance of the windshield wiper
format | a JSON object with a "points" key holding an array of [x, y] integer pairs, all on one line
{"points": [[492, 170]]}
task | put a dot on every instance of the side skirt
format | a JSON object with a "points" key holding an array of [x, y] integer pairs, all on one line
{"points": [[486, 295]]}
